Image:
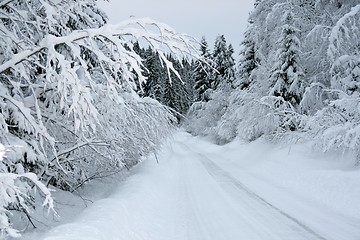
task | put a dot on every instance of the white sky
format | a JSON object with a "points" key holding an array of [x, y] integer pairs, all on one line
{"points": [[195, 17]]}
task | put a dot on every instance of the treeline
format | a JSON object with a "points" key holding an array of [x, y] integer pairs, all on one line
{"points": [[298, 78], [172, 90], [196, 80]]}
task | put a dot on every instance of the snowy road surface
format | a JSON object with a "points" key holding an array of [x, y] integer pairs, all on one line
{"points": [[200, 191]]}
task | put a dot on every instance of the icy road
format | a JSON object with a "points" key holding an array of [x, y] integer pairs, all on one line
{"points": [[200, 191]]}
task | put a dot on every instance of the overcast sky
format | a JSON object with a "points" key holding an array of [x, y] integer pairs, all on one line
{"points": [[195, 17]]}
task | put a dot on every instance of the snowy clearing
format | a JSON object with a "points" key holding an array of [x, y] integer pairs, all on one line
{"points": [[236, 191]]}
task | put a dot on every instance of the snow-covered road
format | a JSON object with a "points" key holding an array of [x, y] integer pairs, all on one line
{"points": [[198, 191], [220, 207]]}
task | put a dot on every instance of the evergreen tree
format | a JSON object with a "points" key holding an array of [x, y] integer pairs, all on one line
{"points": [[224, 63], [286, 75], [154, 85], [175, 93], [144, 55], [230, 70], [248, 60], [187, 93], [220, 57], [189, 81], [202, 72]]}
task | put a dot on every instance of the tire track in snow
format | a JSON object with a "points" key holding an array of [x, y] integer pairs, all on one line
{"points": [[222, 176], [219, 173], [200, 219]]}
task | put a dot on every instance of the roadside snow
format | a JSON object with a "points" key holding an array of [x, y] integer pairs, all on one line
{"points": [[67, 205], [236, 191]]}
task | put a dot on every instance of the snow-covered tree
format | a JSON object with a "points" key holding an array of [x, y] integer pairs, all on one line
{"points": [[230, 70], [222, 61], [248, 60], [154, 85], [337, 123], [286, 75], [312, 92], [344, 52], [172, 92], [175, 93], [187, 74], [203, 117], [202, 72], [60, 66], [14, 189]]}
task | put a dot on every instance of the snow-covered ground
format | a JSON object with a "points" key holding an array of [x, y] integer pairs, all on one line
{"points": [[237, 191]]}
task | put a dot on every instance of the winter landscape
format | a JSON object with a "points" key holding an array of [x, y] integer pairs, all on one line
{"points": [[132, 130]]}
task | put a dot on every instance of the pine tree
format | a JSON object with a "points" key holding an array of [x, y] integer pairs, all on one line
{"points": [[202, 72], [187, 90], [224, 63], [230, 65], [143, 54], [176, 95], [286, 75], [248, 60], [154, 85], [220, 60], [188, 77]]}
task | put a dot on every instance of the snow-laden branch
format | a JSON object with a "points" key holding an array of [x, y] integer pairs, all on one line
{"points": [[67, 70], [67, 95], [18, 58], [165, 39], [35, 126], [14, 192], [343, 52], [340, 26], [5, 2]]}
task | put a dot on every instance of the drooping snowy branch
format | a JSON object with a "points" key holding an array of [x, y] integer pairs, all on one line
{"points": [[14, 189], [109, 45], [161, 41], [341, 28], [344, 52], [67, 96]]}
